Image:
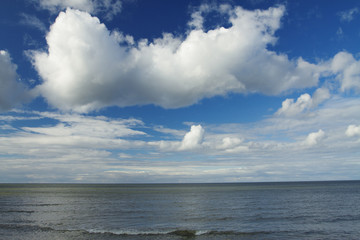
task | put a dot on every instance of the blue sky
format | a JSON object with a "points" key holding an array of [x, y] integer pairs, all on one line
{"points": [[179, 91]]}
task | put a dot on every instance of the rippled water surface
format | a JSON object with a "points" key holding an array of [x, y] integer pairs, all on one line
{"points": [[302, 210]]}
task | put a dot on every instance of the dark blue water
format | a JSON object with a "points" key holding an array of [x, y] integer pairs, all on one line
{"points": [[302, 210]]}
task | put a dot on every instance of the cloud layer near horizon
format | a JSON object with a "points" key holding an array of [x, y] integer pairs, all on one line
{"points": [[88, 67], [77, 147]]}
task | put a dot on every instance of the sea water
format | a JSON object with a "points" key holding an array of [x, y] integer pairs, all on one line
{"points": [[294, 210]]}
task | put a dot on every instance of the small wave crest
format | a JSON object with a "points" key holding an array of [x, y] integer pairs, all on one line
{"points": [[177, 232]]}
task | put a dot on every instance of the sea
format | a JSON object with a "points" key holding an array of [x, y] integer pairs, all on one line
{"points": [[224, 211]]}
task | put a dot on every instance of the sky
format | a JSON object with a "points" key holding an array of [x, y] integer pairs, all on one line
{"points": [[137, 91]]}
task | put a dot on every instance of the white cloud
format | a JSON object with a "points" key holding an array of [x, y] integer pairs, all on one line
{"points": [[348, 16], [347, 71], [230, 142], [232, 145], [352, 131], [319, 96], [292, 108], [12, 92], [86, 68], [197, 19], [192, 139], [109, 8], [336, 113], [314, 138], [213, 144]]}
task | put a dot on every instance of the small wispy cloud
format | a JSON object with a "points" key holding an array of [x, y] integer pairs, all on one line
{"points": [[349, 15], [340, 33], [107, 8], [32, 21]]}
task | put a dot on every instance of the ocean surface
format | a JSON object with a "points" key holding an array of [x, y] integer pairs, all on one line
{"points": [[296, 210]]}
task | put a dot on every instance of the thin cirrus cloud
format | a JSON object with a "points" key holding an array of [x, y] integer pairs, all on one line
{"points": [[108, 8], [88, 67], [32, 21], [71, 132]]}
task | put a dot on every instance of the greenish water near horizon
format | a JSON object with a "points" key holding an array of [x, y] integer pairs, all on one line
{"points": [[271, 210]]}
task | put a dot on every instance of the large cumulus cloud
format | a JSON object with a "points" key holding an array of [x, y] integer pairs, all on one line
{"points": [[88, 67]]}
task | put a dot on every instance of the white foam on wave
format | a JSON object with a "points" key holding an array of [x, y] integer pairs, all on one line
{"points": [[202, 232], [127, 232], [150, 232]]}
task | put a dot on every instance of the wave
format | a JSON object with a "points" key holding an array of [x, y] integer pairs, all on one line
{"points": [[26, 227], [174, 232], [17, 211], [177, 232]]}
